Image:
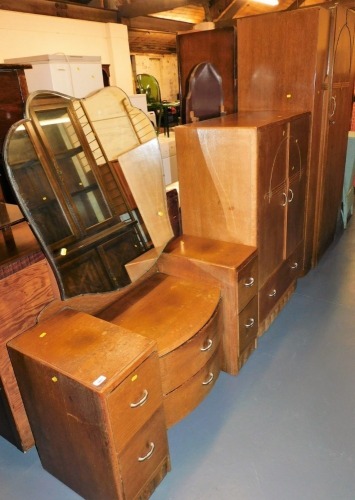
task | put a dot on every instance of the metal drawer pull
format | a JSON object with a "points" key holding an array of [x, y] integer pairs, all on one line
{"points": [[141, 401], [290, 197], [208, 346], [209, 380], [294, 265], [273, 293], [250, 323], [149, 454], [250, 282], [283, 204]]}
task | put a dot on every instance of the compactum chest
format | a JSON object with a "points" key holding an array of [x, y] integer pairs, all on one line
{"points": [[242, 180], [93, 394]]}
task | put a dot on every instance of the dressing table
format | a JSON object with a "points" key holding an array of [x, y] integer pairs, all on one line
{"points": [[127, 350]]}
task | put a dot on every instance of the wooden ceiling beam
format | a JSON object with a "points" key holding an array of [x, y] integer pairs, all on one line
{"points": [[61, 9], [156, 24], [225, 10], [141, 8]]}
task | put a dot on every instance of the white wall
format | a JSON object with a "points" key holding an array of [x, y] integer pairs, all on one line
{"points": [[23, 35]]}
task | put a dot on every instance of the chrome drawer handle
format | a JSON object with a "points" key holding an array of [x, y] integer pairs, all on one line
{"points": [[209, 380], [250, 323], [294, 265], [250, 282], [141, 401], [208, 346], [284, 203], [273, 293], [290, 197], [149, 454]]}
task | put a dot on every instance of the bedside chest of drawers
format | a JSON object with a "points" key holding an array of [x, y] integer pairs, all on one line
{"points": [[93, 395]]}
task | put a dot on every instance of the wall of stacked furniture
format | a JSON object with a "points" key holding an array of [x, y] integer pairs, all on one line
{"points": [[104, 374]]}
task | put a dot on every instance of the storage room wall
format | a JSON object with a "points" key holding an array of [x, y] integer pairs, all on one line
{"points": [[23, 35], [163, 67]]}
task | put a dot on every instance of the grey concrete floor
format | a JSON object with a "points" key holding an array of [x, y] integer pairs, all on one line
{"points": [[283, 429]]}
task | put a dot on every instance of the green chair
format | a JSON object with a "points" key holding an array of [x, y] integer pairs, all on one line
{"points": [[148, 84]]}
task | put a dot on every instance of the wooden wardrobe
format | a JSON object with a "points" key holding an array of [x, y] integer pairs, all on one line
{"points": [[296, 60]]}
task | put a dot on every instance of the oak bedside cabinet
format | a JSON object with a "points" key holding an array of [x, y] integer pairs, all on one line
{"points": [[93, 396]]}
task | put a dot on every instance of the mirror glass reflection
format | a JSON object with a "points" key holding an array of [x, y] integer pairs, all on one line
{"points": [[73, 198]]}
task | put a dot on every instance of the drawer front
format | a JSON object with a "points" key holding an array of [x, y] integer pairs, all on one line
{"points": [[134, 401], [273, 290], [181, 364], [248, 324], [247, 283], [145, 455], [188, 396]]}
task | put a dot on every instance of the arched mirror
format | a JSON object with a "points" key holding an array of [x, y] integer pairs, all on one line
{"points": [[88, 177]]}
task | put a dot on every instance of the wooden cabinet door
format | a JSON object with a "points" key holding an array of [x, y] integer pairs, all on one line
{"points": [[297, 176], [295, 213], [339, 117], [272, 187], [272, 217]]}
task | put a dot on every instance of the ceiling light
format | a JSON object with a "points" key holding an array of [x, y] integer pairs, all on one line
{"points": [[267, 2]]}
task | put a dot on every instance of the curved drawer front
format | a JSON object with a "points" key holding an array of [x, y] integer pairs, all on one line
{"points": [[145, 455], [181, 364], [133, 402], [247, 283], [185, 398], [248, 324]]}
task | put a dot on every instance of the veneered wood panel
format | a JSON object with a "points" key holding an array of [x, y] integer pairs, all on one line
{"points": [[23, 295], [217, 46]]}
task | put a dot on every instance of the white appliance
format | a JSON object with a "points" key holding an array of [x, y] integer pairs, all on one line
{"points": [[76, 76]]}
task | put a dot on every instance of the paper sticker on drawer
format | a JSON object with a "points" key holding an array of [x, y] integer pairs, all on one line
{"points": [[99, 380]]}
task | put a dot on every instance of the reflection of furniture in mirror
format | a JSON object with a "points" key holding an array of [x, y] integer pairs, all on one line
{"points": [[205, 95], [72, 198]]}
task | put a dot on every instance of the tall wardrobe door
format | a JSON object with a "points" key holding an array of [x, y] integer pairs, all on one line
{"points": [[339, 124]]}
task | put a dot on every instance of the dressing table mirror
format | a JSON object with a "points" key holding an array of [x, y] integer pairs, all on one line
{"points": [[91, 218]]}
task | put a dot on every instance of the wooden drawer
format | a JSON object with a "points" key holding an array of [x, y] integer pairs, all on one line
{"points": [[183, 400], [247, 283], [144, 456], [273, 290], [134, 401], [181, 364], [248, 324]]}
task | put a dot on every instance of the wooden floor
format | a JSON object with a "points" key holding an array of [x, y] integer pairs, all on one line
{"points": [[284, 429]]}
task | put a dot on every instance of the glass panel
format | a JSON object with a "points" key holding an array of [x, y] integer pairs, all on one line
{"points": [[73, 166], [34, 188]]}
